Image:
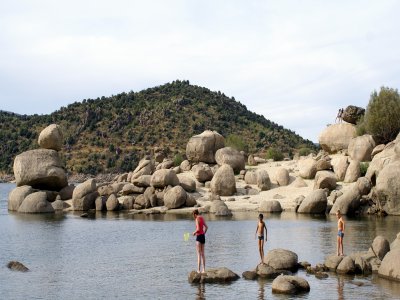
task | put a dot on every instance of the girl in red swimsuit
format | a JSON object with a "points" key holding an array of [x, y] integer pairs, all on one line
{"points": [[201, 229]]}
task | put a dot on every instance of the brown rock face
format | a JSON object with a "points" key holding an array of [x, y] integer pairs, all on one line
{"points": [[352, 114]]}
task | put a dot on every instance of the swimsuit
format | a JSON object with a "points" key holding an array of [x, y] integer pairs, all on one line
{"points": [[261, 237], [201, 238], [340, 233]]}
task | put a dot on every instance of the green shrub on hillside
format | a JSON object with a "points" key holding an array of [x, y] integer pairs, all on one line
{"points": [[382, 117], [305, 151], [275, 154], [178, 159], [236, 142]]}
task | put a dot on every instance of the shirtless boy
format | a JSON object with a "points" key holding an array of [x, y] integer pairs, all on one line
{"points": [[260, 234], [340, 225]]}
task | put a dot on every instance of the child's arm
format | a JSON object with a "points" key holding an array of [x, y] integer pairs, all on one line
{"points": [[266, 233], [343, 225], [205, 230], [197, 227]]}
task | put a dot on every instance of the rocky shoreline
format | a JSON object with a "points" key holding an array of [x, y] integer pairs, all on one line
{"points": [[219, 180]]}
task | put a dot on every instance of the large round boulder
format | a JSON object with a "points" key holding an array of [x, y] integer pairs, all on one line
{"points": [[175, 197], [282, 177], [340, 165], [164, 177], [282, 259], [286, 284], [380, 160], [36, 203], [202, 172], [112, 203], [18, 195], [263, 181], [145, 167], [230, 157], [51, 138], [346, 266], [353, 171], [202, 147], [187, 183], [86, 202], [86, 187], [314, 203], [388, 188], [307, 168], [360, 148], [332, 262], [390, 266], [348, 202], [250, 177], [270, 206], [380, 246], [219, 208], [396, 242], [325, 179], [223, 182], [337, 137], [41, 169]]}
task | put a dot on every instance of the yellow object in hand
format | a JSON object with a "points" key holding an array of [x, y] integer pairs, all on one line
{"points": [[186, 236]]}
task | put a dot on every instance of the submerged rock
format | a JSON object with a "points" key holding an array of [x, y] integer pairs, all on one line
{"points": [[17, 266]]}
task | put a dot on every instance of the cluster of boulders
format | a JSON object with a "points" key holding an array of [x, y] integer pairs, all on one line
{"points": [[278, 265], [40, 176], [343, 156], [382, 258]]}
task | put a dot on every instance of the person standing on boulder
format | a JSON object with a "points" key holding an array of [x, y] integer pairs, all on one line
{"points": [[340, 225], [201, 229], [260, 234], [339, 115]]}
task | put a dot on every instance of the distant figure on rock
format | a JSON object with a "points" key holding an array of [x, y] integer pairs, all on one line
{"points": [[340, 225], [201, 229], [260, 234], [339, 115]]}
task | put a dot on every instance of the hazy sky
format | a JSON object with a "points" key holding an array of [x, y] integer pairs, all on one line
{"points": [[295, 62]]}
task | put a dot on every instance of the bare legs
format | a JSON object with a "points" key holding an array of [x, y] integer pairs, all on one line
{"points": [[201, 260], [261, 250], [339, 245]]}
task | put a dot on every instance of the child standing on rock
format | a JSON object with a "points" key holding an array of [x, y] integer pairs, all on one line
{"points": [[260, 234], [201, 229], [340, 225]]}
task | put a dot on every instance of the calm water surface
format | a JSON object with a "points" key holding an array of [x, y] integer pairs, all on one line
{"points": [[122, 256]]}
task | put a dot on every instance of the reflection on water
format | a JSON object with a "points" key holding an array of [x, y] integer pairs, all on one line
{"points": [[201, 292], [145, 256], [340, 285]]}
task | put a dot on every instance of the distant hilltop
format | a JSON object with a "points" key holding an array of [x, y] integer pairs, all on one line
{"points": [[110, 134]]}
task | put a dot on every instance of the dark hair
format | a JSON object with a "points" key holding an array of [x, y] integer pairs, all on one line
{"points": [[196, 212], [261, 216]]}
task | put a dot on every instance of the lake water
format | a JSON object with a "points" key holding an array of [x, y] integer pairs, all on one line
{"points": [[111, 255]]}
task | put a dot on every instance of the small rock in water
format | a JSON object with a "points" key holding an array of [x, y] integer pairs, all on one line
{"points": [[84, 215], [17, 266], [321, 275]]}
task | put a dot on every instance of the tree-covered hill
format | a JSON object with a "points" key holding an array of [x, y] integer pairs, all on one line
{"points": [[110, 134]]}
